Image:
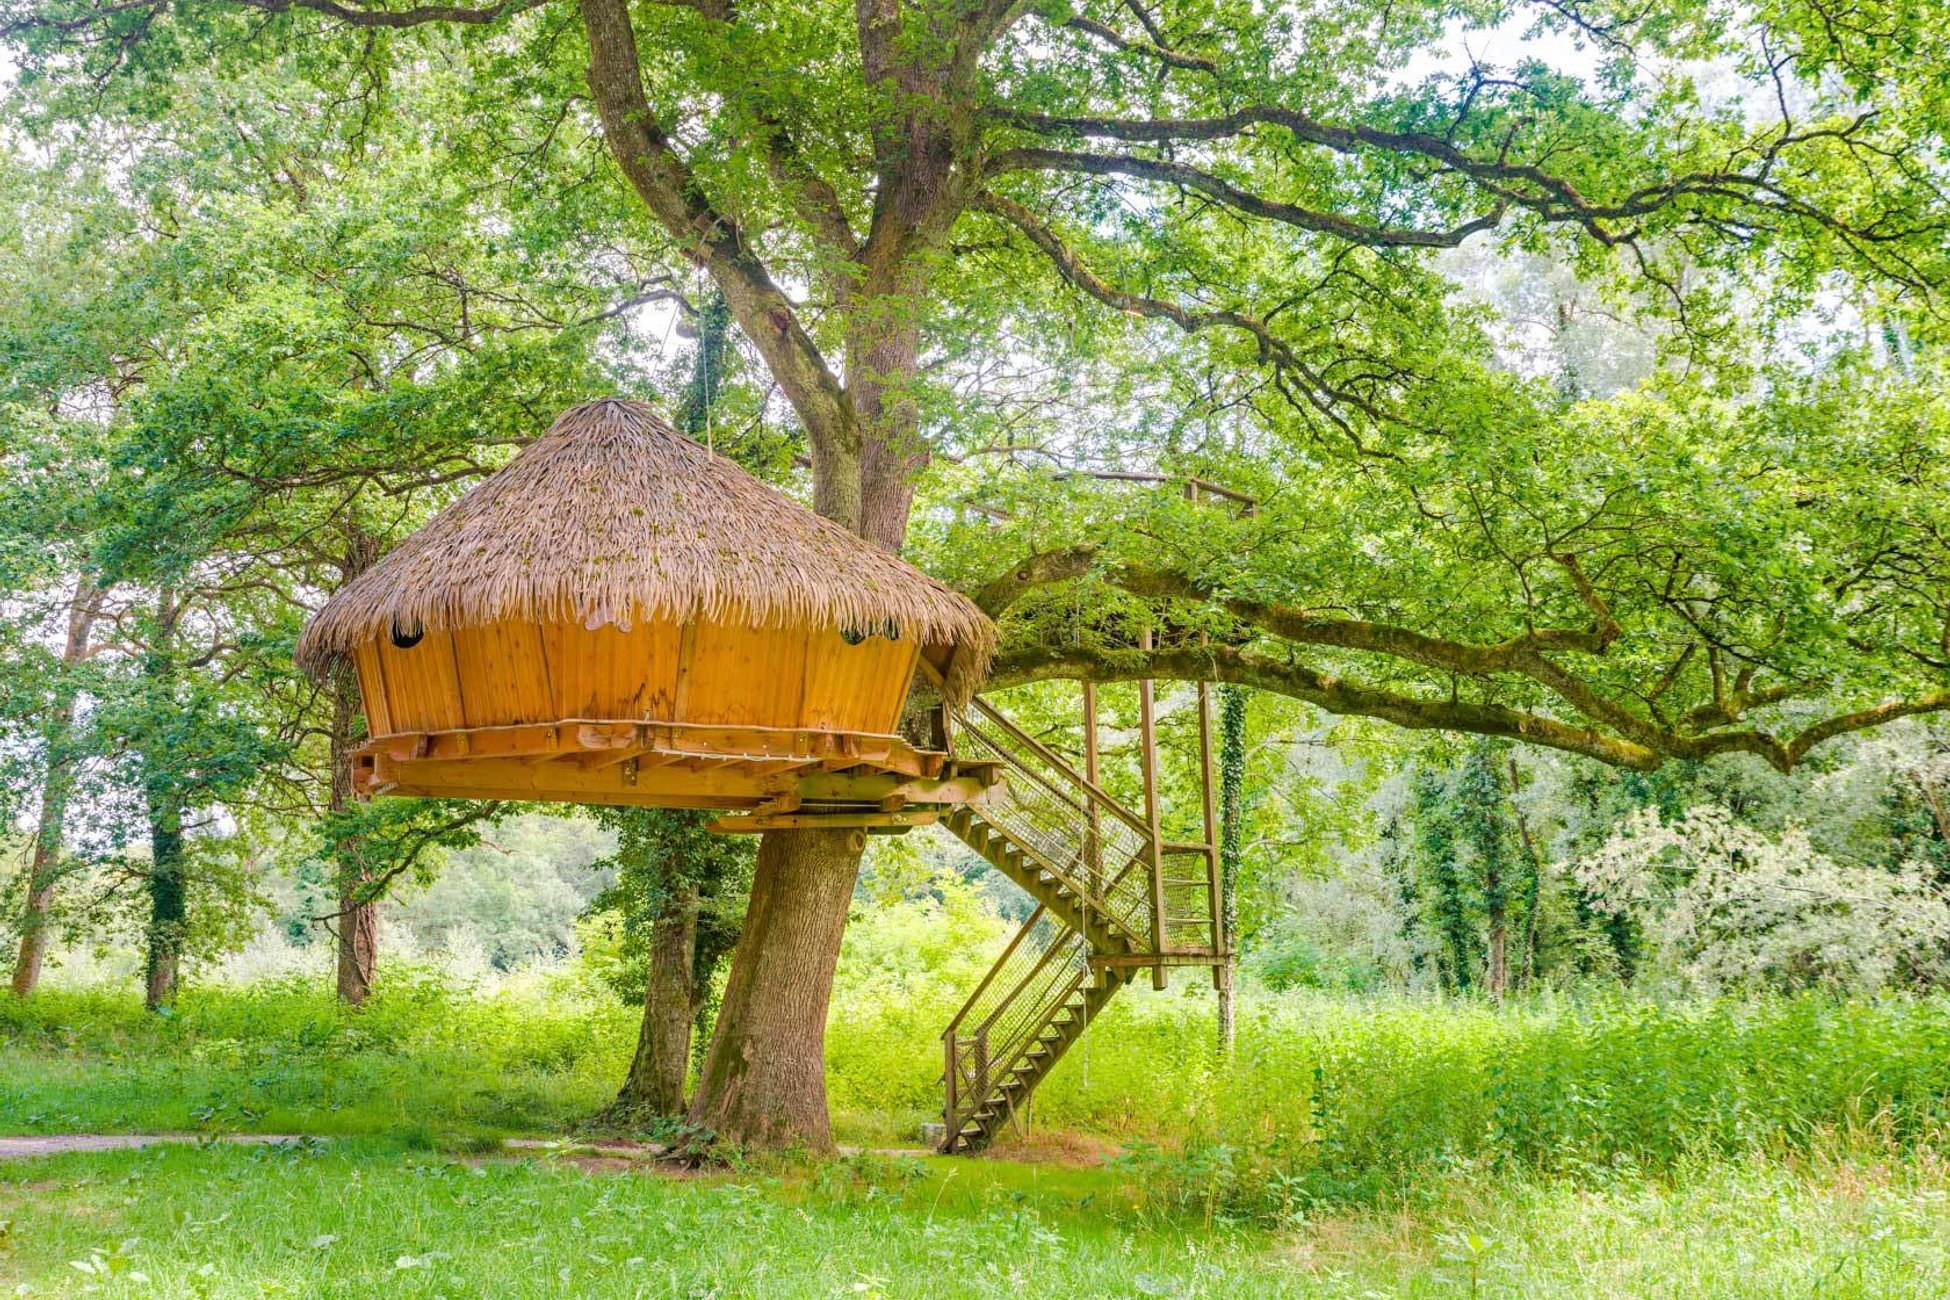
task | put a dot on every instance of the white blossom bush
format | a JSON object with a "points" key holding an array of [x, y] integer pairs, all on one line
{"points": [[1723, 906]]}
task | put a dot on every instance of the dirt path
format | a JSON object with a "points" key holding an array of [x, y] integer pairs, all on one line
{"points": [[55, 1144]]}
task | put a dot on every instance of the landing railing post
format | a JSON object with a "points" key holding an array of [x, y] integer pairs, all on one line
{"points": [[951, 1125], [1211, 812], [982, 1088], [1154, 827], [1093, 841]]}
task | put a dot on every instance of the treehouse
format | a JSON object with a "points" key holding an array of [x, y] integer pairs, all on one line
{"points": [[621, 616]]}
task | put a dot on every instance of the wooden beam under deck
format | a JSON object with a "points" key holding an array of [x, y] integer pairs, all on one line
{"points": [[598, 739], [665, 765]]}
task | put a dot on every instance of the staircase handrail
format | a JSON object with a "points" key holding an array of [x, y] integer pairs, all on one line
{"points": [[1050, 756], [995, 968]]}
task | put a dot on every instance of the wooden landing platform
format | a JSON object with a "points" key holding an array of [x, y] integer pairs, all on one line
{"points": [[785, 772]]}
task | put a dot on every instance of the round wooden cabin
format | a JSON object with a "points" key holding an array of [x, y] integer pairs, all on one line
{"points": [[621, 616]]}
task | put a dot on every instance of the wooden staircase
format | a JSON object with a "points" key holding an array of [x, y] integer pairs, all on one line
{"points": [[1106, 907]]}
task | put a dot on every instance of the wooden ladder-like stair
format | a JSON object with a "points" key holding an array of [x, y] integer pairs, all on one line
{"points": [[1094, 869]]}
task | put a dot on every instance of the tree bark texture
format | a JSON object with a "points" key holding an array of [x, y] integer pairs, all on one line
{"points": [[357, 935], [57, 784], [671, 998], [764, 1082], [168, 906], [356, 932]]}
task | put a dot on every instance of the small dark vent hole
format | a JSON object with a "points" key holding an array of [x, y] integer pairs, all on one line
{"points": [[404, 639]]}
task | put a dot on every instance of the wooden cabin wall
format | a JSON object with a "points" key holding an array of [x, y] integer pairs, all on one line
{"points": [[713, 674]]}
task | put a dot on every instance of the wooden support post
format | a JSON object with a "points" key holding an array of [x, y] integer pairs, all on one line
{"points": [[950, 1125], [1093, 843], [1148, 743], [1211, 812]]}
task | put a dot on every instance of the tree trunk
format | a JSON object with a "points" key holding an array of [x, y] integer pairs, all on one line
{"points": [[881, 360], [357, 932], [168, 911], [57, 782], [357, 936], [358, 949], [1496, 910], [764, 1082], [1232, 776], [1499, 972], [670, 1005], [1533, 883], [168, 908]]}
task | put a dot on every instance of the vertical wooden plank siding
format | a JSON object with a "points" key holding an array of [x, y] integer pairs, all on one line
{"points": [[372, 692], [745, 677], [607, 673], [714, 674], [503, 679], [856, 687], [422, 691]]}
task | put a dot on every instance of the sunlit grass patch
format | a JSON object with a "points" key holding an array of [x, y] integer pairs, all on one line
{"points": [[359, 1217]]}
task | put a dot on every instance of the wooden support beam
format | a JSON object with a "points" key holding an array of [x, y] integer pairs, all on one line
{"points": [[755, 822]]}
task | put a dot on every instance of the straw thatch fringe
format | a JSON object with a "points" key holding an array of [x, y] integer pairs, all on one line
{"points": [[614, 517]]}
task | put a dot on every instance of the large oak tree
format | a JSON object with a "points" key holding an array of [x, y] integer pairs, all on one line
{"points": [[888, 191]]}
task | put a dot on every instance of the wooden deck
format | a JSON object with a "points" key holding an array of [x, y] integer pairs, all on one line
{"points": [[781, 771]]}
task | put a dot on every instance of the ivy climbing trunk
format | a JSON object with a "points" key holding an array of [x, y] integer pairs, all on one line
{"points": [[764, 1082], [671, 999], [162, 796], [356, 934], [168, 908], [57, 784], [1232, 782], [356, 923]]}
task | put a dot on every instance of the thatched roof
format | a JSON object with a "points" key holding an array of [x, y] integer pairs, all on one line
{"points": [[615, 517]]}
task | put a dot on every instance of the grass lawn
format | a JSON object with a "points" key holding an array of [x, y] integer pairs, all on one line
{"points": [[1610, 1149], [366, 1217]]}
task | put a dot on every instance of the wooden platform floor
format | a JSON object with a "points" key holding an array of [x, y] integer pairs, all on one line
{"points": [[667, 765]]}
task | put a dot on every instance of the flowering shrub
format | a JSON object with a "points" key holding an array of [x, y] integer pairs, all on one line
{"points": [[1726, 906]]}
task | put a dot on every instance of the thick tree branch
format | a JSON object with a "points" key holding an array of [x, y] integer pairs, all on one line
{"points": [[1523, 184], [1315, 391], [1117, 40], [1039, 570], [352, 15], [1240, 200], [1220, 663], [708, 237], [1626, 739], [812, 196]]}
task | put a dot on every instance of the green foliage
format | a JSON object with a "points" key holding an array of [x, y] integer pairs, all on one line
{"points": [[368, 1219], [667, 858], [421, 1055], [1328, 1100]]}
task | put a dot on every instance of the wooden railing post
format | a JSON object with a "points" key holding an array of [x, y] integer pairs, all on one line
{"points": [[1093, 843], [951, 1121], [1154, 826], [1211, 812], [982, 1088]]}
